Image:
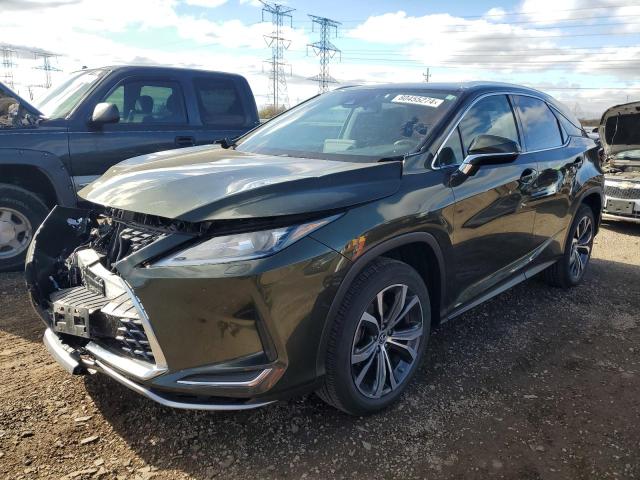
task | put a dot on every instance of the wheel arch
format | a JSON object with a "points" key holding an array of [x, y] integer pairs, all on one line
{"points": [[406, 248], [39, 172]]}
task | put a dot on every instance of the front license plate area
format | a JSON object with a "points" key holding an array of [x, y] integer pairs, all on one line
{"points": [[71, 320], [622, 207]]}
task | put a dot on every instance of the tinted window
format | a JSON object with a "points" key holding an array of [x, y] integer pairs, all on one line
{"points": [[539, 124], [568, 126], [490, 116], [451, 152], [220, 103], [149, 102]]}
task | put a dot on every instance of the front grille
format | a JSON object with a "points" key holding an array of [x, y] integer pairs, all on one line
{"points": [[130, 336], [115, 322], [123, 241], [623, 193]]}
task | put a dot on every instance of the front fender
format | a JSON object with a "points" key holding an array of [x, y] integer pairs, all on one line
{"points": [[50, 165]]}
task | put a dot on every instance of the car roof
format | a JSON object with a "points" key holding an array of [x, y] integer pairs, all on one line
{"points": [[467, 87], [159, 69]]}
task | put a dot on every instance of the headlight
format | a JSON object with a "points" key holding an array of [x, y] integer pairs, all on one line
{"points": [[241, 246]]}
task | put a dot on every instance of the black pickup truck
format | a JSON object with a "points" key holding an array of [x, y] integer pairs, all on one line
{"points": [[95, 119]]}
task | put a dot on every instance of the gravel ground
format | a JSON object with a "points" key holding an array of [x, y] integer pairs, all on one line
{"points": [[537, 383]]}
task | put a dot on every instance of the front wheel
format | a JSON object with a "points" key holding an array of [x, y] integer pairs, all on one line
{"points": [[21, 212], [569, 270], [377, 339]]}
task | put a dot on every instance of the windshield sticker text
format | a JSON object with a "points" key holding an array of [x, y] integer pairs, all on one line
{"points": [[418, 100]]}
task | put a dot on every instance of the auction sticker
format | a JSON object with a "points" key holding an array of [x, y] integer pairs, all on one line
{"points": [[418, 100]]}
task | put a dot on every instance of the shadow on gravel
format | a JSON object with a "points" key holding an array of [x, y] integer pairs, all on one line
{"points": [[625, 228], [490, 351], [16, 314]]}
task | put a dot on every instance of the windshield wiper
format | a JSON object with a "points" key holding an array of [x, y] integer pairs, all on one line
{"points": [[398, 158], [226, 143]]}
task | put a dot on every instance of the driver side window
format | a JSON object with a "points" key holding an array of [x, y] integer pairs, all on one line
{"points": [[490, 116]]}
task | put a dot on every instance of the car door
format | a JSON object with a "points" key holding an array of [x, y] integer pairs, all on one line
{"points": [[558, 160], [153, 117], [493, 219]]}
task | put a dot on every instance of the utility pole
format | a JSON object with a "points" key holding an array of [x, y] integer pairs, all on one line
{"points": [[427, 75], [7, 65], [277, 77], [324, 49], [46, 66]]}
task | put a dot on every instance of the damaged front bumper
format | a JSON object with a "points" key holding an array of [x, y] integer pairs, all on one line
{"points": [[217, 337]]}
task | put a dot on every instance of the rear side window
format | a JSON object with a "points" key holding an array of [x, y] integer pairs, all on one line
{"points": [[220, 103], [149, 102], [568, 126], [541, 130], [490, 116]]}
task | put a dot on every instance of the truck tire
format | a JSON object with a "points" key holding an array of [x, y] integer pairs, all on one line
{"points": [[21, 213]]}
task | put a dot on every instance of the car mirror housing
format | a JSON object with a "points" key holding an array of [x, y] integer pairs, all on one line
{"points": [[485, 150], [105, 113]]}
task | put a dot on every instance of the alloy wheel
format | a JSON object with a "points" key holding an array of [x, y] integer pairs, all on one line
{"points": [[581, 247], [15, 232], [386, 342]]}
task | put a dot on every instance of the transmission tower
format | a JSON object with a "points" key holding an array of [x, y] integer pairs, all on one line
{"points": [[7, 65], [324, 49], [278, 44], [46, 66]]}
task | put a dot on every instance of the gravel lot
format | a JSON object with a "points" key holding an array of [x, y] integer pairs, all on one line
{"points": [[537, 383]]}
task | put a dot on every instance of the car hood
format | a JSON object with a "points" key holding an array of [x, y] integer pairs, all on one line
{"points": [[210, 183], [620, 128], [7, 93]]}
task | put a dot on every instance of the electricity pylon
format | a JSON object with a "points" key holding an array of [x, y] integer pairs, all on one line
{"points": [[324, 49], [278, 44]]}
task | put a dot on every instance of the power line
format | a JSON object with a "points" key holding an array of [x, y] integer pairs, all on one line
{"points": [[324, 49], [513, 13], [278, 44], [46, 66], [7, 65]]}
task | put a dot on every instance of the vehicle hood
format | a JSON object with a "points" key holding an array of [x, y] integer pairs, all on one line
{"points": [[7, 93], [620, 128], [212, 183]]}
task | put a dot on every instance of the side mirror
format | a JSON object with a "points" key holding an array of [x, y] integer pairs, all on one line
{"points": [[485, 150], [105, 113]]}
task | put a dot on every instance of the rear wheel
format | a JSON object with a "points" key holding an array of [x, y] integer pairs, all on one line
{"points": [[378, 338], [21, 212], [569, 270]]}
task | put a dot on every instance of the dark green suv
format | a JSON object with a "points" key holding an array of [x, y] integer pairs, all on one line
{"points": [[318, 251]]}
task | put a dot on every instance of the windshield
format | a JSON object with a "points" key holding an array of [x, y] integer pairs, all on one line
{"points": [[59, 101], [363, 124]]}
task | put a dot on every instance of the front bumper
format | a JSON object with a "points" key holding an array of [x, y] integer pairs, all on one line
{"points": [[71, 360], [220, 337]]}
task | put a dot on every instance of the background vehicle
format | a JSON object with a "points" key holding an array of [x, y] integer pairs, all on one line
{"points": [[95, 119], [620, 132], [317, 252]]}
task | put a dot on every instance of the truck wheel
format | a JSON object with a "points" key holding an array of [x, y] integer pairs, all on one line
{"points": [[21, 212], [377, 339]]}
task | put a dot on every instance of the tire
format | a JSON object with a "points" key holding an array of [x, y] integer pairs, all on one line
{"points": [[354, 335], [564, 273], [21, 212]]}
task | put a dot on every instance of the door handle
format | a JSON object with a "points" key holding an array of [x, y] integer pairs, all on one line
{"points": [[185, 141], [528, 176]]}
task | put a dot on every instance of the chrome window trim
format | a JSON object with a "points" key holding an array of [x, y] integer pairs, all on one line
{"points": [[485, 95]]}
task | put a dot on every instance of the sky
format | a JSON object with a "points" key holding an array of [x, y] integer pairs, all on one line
{"points": [[585, 53]]}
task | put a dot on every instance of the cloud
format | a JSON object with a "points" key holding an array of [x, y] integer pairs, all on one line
{"points": [[206, 3]]}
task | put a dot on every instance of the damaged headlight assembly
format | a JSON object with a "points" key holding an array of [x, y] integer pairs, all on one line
{"points": [[242, 246]]}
